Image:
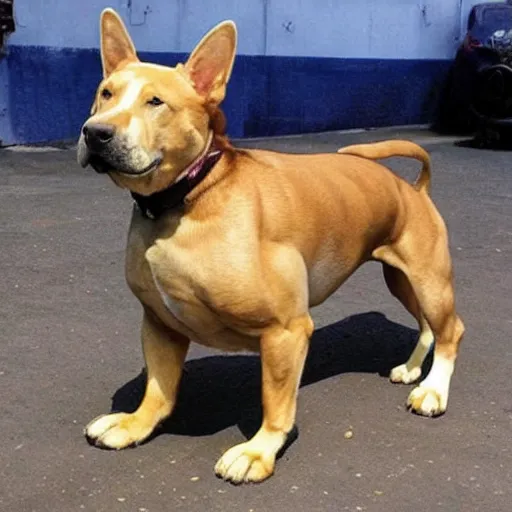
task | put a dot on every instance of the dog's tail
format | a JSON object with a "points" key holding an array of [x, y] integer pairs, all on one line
{"points": [[391, 148]]}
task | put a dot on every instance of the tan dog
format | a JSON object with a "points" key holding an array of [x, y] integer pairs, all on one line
{"points": [[230, 248]]}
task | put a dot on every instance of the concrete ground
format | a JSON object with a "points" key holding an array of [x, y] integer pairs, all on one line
{"points": [[70, 351]]}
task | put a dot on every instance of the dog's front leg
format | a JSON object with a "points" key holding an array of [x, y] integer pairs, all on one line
{"points": [[164, 352], [283, 352]]}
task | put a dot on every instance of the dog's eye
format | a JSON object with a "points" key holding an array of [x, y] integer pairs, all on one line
{"points": [[155, 101], [106, 94]]}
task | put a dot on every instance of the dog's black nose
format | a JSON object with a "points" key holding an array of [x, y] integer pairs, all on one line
{"points": [[98, 135]]}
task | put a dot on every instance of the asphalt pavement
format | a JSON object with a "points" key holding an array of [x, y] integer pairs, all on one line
{"points": [[70, 351]]}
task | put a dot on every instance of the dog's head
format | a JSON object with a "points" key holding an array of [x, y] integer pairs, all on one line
{"points": [[149, 122]]}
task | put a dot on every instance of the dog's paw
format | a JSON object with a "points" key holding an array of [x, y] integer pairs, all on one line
{"points": [[243, 464], [427, 401], [116, 431], [400, 374]]}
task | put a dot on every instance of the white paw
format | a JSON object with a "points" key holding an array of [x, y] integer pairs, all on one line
{"points": [[400, 374], [427, 401], [243, 464], [116, 431]]}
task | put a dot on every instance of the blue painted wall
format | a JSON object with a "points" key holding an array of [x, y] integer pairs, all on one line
{"points": [[303, 65]]}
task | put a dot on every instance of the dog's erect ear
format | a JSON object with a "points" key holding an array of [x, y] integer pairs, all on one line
{"points": [[116, 45], [210, 64]]}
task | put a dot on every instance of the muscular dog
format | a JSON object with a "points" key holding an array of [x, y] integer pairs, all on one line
{"points": [[230, 248]]}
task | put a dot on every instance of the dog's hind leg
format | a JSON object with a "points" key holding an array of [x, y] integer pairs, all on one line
{"points": [[426, 263], [401, 288], [436, 296], [283, 352], [164, 353]]}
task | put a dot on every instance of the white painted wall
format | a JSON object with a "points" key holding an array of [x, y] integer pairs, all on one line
{"points": [[403, 29]]}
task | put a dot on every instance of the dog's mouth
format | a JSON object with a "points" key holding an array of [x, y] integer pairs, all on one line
{"points": [[102, 166], [99, 164]]}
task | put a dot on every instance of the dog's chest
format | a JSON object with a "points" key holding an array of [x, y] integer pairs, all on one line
{"points": [[175, 285], [174, 305], [172, 282]]}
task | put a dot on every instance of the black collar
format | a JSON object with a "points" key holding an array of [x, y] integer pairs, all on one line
{"points": [[153, 206]]}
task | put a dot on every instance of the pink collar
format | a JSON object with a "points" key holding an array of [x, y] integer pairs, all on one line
{"points": [[191, 171]]}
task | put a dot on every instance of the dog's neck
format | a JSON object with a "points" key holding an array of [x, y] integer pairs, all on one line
{"points": [[153, 206]]}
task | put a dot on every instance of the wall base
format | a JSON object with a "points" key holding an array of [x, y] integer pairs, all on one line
{"points": [[50, 91]]}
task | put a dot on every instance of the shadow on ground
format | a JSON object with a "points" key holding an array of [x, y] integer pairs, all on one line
{"points": [[218, 392]]}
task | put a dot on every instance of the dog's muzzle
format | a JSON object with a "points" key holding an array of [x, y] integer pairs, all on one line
{"points": [[98, 136], [106, 151], [93, 146]]}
